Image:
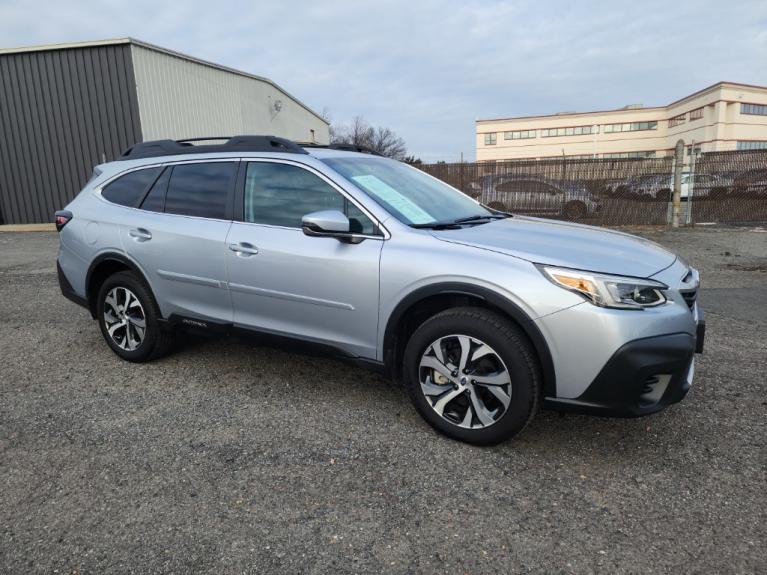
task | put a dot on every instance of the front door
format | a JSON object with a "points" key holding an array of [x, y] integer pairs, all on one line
{"points": [[284, 282]]}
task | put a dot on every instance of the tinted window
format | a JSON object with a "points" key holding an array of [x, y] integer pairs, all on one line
{"points": [[281, 194], [527, 186], [127, 190], [199, 189], [155, 199]]}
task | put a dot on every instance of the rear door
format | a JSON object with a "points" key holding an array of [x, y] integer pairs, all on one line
{"points": [[285, 282], [178, 238]]}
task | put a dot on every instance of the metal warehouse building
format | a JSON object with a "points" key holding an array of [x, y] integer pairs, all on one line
{"points": [[65, 108]]}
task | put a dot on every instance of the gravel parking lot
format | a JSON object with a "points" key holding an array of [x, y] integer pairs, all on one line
{"points": [[230, 457]]}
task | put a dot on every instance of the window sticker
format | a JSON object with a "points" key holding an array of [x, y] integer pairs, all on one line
{"points": [[385, 192]]}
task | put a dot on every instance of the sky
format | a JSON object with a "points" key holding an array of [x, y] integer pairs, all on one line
{"points": [[428, 68]]}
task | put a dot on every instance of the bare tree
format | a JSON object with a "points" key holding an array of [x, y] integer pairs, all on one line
{"points": [[380, 139]]}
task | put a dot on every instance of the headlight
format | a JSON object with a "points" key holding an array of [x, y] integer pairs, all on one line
{"points": [[609, 291]]}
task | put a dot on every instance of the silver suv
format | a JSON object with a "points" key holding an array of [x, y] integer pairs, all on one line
{"points": [[485, 316]]}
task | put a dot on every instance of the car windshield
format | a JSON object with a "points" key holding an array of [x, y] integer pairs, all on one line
{"points": [[410, 195]]}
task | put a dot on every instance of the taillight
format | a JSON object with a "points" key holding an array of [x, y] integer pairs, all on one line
{"points": [[62, 218]]}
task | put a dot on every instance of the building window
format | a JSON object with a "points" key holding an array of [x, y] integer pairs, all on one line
{"points": [[754, 109], [676, 120], [519, 135], [571, 131], [696, 114], [752, 145], [490, 139], [632, 127], [623, 155]]}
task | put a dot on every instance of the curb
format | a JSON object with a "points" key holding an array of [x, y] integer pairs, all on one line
{"points": [[28, 228]]}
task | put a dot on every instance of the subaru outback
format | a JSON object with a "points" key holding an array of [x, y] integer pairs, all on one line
{"points": [[483, 315]]}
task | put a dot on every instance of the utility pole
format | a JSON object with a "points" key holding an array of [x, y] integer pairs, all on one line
{"points": [[677, 197]]}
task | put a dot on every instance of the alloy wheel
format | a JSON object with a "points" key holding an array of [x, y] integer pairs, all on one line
{"points": [[465, 381], [124, 318]]}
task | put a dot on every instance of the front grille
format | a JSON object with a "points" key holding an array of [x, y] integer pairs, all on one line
{"points": [[689, 297]]}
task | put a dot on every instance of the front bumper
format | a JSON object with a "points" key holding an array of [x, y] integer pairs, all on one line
{"points": [[644, 376]]}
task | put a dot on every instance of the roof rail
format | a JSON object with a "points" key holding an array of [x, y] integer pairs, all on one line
{"points": [[344, 147], [156, 148]]}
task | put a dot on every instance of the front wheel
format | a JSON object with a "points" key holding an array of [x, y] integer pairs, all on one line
{"points": [[472, 374]]}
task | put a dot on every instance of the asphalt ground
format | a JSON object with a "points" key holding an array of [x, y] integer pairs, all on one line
{"points": [[232, 457]]}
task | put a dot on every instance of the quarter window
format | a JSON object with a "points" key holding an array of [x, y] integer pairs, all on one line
{"points": [[155, 199], [128, 190], [281, 194], [200, 189]]}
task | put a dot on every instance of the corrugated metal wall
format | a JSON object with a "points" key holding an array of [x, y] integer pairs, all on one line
{"points": [[180, 98], [61, 112]]}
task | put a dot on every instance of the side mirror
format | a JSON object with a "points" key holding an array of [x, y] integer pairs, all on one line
{"points": [[328, 224]]}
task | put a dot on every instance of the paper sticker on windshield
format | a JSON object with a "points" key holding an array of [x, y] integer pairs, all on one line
{"points": [[392, 197]]}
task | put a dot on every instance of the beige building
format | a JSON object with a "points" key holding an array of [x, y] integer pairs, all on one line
{"points": [[725, 116]]}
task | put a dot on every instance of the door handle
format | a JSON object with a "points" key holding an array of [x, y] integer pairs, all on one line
{"points": [[244, 248], [140, 234]]}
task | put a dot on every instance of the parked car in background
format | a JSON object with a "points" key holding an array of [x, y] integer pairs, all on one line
{"points": [[660, 186], [537, 195], [750, 183]]}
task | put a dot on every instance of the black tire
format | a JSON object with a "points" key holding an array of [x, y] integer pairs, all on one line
{"points": [[663, 196], [512, 347], [575, 210], [156, 341]]}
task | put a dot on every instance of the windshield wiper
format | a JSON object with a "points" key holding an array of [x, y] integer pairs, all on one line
{"points": [[458, 222], [480, 218], [437, 226]]}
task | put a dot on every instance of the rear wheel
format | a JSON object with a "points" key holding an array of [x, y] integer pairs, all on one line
{"points": [[472, 375], [128, 317]]}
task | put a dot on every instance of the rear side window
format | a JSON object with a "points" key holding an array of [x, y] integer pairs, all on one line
{"points": [[200, 189], [127, 190]]}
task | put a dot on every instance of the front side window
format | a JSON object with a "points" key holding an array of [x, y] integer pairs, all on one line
{"points": [[128, 190], [407, 193], [281, 194], [200, 190]]}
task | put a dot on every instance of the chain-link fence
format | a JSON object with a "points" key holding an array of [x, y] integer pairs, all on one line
{"points": [[717, 187]]}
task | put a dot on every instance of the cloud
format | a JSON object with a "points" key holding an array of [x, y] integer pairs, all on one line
{"points": [[428, 69]]}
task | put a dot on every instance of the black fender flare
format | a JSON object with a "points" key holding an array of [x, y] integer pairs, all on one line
{"points": [[494, 299], [115, 257]]}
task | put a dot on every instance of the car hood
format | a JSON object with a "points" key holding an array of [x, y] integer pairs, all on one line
{"points": [[565, 244]]}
